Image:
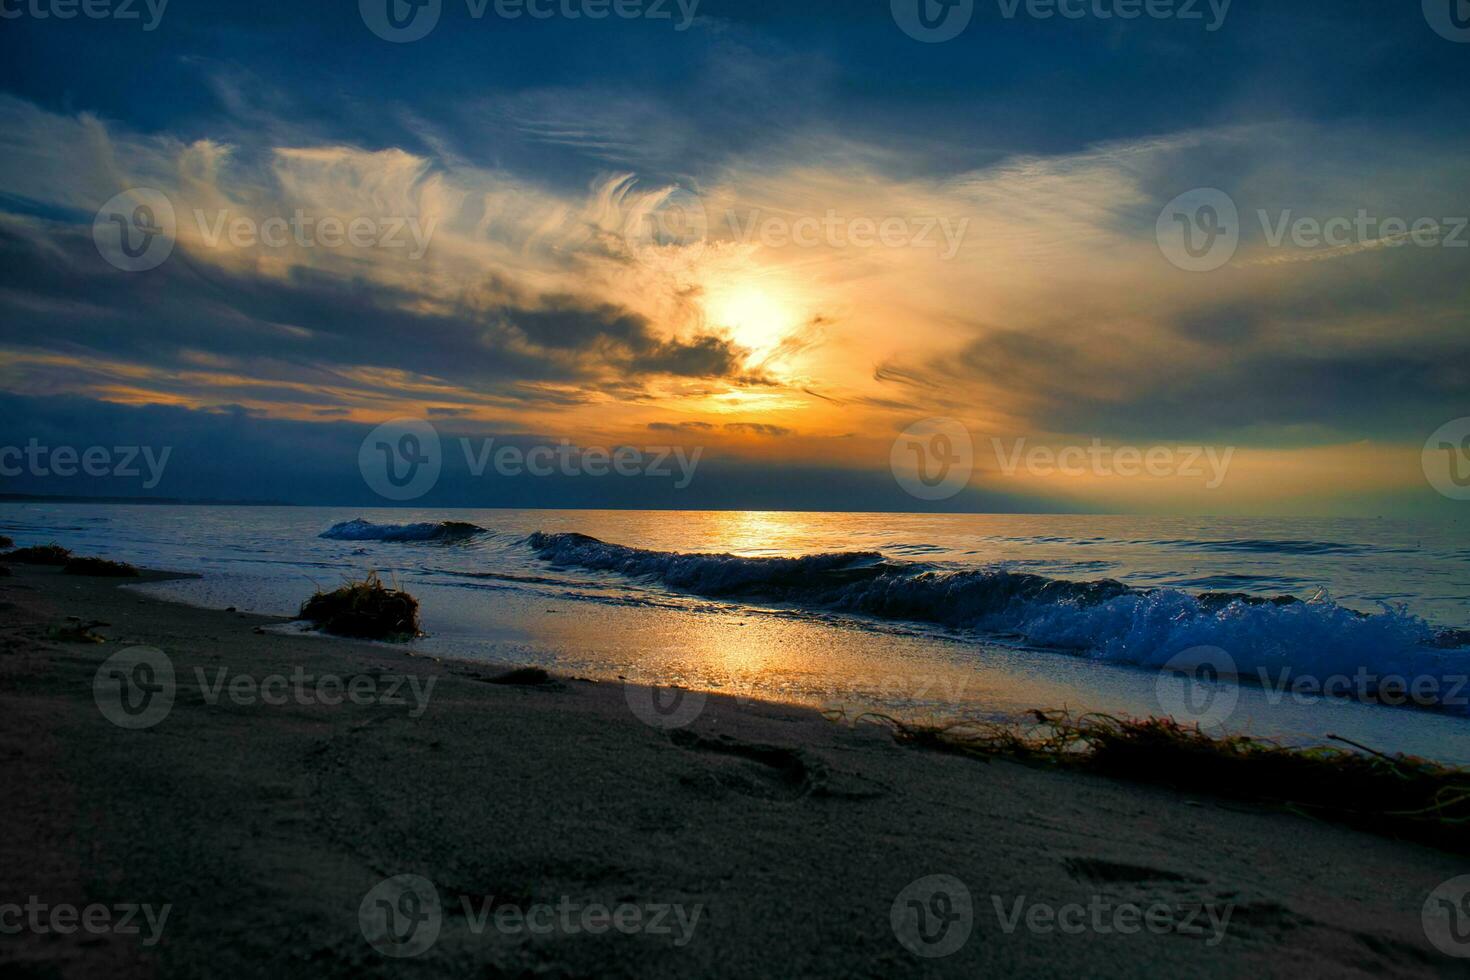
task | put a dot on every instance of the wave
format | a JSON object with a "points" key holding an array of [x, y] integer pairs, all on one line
{"points": [[721, 576], [1103, 620], [440, 531]]}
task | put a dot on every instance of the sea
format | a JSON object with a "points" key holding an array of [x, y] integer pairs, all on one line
{"points": [[1308, 631]]}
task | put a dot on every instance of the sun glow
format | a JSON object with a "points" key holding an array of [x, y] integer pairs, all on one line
{"points": [[758, 316]]}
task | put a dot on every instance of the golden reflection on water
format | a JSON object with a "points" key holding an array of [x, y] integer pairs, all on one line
{"points": [[761, 651], [754, 532]]}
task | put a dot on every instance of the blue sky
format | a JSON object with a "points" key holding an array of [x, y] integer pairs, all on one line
{"points": [[747, 73]]}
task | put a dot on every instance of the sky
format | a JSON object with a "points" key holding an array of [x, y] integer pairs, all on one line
{"points": [[1209, 259]]}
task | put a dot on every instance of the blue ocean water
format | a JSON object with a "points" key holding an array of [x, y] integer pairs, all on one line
{"points": [[932, 616]]}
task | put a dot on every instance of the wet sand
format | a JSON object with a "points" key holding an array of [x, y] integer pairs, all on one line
{"points": [[562, 835]]}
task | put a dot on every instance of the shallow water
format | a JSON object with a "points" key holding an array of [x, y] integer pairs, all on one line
{"points": [[929, 622]]}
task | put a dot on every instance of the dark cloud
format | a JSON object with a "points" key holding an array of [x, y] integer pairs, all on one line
{"points": [[889, 404], [317, 337], [1260, 394], [224, 456], [891, 372], [704, 357], [759, 429]]}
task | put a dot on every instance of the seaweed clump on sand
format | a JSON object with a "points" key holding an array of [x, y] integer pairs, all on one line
{"points": [[100, 567], [1397, 796], [367, 609], [44, 554], [76, 631]]}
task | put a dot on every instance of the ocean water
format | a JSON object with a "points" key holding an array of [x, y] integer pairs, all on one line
{"points": [[1237, 624]]}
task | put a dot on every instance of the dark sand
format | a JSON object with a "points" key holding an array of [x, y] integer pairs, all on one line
{"points": [[263, 827]]}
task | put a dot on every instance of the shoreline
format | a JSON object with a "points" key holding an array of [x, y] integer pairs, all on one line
{"points": [[264, 826], [1090, 661], [865, 697], [1260, 681]]}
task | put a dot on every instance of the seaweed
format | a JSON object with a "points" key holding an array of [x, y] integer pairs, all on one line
{"points": [[76, 631], [519, 677], [1399, 796], [45, 554], [100, 567], [366, 609]]}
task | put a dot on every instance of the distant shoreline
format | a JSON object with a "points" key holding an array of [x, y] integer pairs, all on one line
{"points": [[41, 498], [44, 498], [392, 505]]}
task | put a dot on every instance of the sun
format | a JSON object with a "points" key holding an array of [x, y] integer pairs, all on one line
{"points": [[758, 316]]}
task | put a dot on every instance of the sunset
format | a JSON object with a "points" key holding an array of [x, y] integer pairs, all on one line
{"points": [[762, 415]]}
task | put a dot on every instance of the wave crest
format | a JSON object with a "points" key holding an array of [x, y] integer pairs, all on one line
{"points": [[361, 530]]}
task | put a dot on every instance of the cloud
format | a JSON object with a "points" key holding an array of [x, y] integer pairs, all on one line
{"points": [[758, 429], [1048, 310], [234, 456], [1076, 324], [514, 290], [680, 426]]}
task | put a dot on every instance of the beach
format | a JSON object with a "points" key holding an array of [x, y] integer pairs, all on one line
{"points": [[553, 831]]}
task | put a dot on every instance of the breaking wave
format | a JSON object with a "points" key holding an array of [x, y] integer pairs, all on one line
{"points": [[361, 530], [1104, 620]]}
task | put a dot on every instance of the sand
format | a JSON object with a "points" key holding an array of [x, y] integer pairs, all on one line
{"points": [[560, 835]]}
